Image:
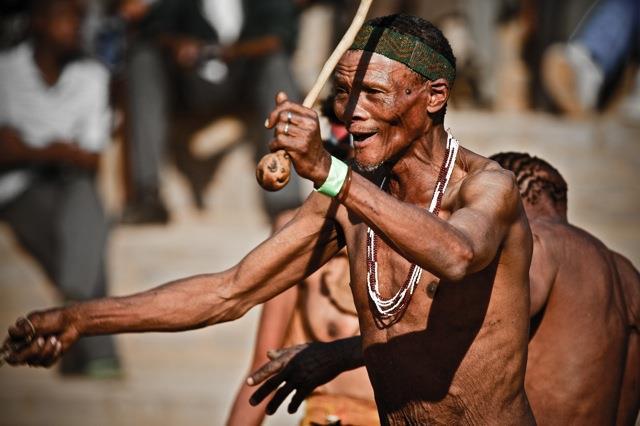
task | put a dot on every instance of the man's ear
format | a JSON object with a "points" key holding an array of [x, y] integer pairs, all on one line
{"points": [[438, 95]]}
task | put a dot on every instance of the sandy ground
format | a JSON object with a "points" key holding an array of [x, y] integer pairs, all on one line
{"points": [[190, 378]]}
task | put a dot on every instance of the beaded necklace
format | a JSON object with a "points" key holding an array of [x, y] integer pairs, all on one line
{"points": [[388, 311]]}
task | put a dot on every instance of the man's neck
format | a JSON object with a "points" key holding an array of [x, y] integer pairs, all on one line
{"points": [[545, 209], [48, 62], [414, 175]]}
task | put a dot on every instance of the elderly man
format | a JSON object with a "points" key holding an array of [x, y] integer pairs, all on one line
{"points": [[440, 279], [582, 296]]}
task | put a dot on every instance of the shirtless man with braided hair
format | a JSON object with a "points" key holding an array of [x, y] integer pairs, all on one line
{"points": [[442, 298], [584, 353], [585, 308]]}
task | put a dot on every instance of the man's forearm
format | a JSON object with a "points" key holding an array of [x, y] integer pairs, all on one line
{"points": [[254, 48], [180, 305], [56, 153], [441, 253]]}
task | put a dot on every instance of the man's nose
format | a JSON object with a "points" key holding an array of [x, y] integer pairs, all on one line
{"points": [[355, 110]]}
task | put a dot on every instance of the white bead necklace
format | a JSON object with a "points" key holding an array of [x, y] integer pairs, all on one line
{"points": [[388, 311]]}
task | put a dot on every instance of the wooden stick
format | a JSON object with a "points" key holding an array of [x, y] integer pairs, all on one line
{"points": [[341, 48], [273, 170]]}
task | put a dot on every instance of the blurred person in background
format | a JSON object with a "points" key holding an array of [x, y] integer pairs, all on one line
{"points": [[205, 58], [320, 309], [578, 74], [54, 123]]}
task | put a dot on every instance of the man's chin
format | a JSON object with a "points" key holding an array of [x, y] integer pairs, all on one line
{"points": [[367, 167]]}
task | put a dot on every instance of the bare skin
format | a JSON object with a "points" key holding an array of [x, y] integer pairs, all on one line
{"points": [[629, 405], [304, 313], [584, 353], [457, 358], [585, 308], [579, 340]]}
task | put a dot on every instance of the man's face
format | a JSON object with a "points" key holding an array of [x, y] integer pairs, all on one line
{"points": [[383, 105], [60, 25]]}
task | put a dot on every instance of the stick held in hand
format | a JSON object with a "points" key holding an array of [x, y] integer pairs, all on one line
{"points": [[273, 170]]}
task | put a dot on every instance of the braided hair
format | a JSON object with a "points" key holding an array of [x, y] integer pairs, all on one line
{"points": [[534, 177]]}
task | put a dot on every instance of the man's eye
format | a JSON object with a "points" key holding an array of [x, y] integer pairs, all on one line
{"points": [[341, 90]]}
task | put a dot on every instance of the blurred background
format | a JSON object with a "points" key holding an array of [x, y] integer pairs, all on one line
{"points": [[129, 131]]}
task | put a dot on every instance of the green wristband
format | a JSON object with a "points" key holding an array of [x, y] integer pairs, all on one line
{"points": [[335, 180]]}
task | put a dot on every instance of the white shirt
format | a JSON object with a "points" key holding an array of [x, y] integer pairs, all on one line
{"points": [[75, 108], [226, 17]]}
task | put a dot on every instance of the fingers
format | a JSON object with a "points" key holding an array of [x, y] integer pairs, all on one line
{"points": [[266, 389], [279, 397], [39, 323], [281, 97], [264, 372], [51, 352], [279, 359], [41, 352], [279, 114], [39, 339], [23, 329], [21, 356], [297, 399]]}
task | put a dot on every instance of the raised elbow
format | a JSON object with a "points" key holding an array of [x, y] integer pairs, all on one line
{"points": [[461, 262]]}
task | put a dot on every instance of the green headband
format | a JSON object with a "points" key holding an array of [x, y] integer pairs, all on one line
{"points": [[406, 49]]}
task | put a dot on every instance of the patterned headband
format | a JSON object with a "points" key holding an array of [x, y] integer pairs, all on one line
{"points": [[406, 49]]}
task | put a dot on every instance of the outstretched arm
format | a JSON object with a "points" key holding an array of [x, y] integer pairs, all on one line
{"points": [[287, 257], [302, 369]]}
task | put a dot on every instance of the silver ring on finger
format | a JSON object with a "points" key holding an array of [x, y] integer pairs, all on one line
{"points": [[31, 326], [289, 116], [286, 129]]}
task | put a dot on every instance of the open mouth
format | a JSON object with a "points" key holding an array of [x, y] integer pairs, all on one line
{"points": [[361, 138]]}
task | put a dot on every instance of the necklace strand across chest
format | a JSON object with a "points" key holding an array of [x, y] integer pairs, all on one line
{"points": [[389, 310]]}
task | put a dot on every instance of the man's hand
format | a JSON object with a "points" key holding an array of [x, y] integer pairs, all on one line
{"points": [[185, 51], [40, 339], [13, 151], [12, 147], [302, 368], [68, 153], [297, 131]]}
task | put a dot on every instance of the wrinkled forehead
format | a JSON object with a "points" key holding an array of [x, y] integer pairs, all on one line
{"points": [[359, 65]]}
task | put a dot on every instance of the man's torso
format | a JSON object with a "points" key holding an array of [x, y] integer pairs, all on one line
{"points": [[458, 354], [577, 350]]}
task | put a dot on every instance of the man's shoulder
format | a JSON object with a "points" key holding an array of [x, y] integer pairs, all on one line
{"points": [[482, 168], [485, 178], [565, 240]]}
